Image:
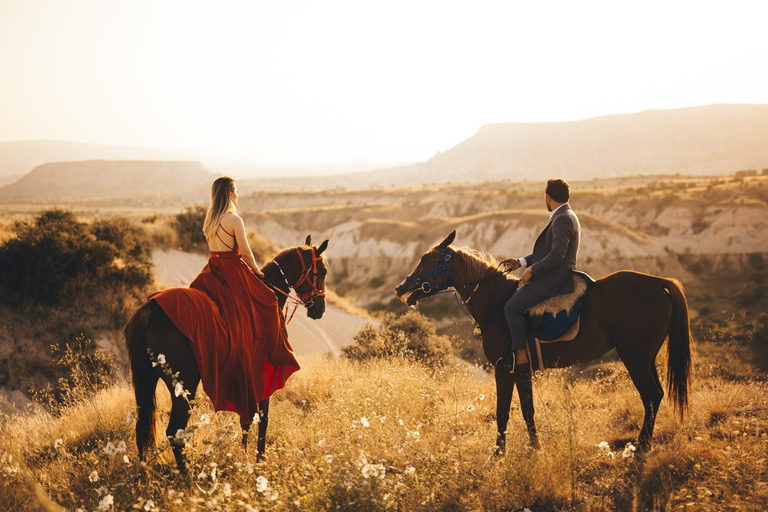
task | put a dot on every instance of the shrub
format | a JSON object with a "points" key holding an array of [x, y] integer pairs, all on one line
{"points": [[409, 335], [189, 226], [751, 293], [56, 259]]}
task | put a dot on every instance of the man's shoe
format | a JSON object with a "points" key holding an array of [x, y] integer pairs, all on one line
{"points": [[506, 364]]}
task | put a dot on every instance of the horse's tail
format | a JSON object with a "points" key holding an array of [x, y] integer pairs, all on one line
{"points": [[144, 377], [679, 349]]}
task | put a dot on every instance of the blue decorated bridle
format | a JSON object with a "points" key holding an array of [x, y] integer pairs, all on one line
{"points": [[426, 282]]}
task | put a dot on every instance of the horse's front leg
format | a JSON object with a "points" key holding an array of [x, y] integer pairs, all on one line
{"points": [[261, 443], [261, 446], [505, 386], [525, 392]]}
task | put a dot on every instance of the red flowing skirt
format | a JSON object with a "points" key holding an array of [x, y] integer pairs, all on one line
{"points": [[236, 333]]}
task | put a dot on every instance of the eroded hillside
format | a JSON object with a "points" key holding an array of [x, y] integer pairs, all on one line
{"points": [[646, 224]]}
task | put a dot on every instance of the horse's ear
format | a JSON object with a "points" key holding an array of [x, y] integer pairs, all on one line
{"points": [[308, 242], [323, 246], [448, 240]]}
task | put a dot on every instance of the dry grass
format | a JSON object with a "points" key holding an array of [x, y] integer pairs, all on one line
{"points": [[395, 435]]}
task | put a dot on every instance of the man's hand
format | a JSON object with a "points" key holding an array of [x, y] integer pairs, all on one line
{"points": [[527, 275], [511, 264]]}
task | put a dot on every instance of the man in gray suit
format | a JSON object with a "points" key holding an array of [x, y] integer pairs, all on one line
{"points": [[549, 271]]}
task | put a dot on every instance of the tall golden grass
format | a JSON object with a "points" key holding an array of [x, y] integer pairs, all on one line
{"points": [[397, 435]]}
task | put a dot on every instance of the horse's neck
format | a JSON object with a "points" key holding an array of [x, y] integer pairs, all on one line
{"points": [[478, 296], [274, 277]]}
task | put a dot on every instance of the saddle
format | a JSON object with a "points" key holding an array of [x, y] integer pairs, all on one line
{"points": [[556, 318]]}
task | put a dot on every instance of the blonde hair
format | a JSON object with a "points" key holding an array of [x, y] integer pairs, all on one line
{"points": [[221, 203]]}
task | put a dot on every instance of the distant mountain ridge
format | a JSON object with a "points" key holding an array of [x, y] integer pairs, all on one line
{"points": [[104, 179], [707, 140], [19, 157]]}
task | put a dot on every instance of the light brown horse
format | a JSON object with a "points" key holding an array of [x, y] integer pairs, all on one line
{"points": [[629, 311], [300, 268]]}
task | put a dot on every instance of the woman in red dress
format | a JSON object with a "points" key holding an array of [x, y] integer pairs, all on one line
{"points": [[235, 326]]}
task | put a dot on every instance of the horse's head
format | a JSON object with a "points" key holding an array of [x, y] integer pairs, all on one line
{"points": [[430, 276], [304, 270]]}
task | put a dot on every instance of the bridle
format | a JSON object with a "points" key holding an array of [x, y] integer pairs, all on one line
{"points": [[308, 275], [426, 283]]}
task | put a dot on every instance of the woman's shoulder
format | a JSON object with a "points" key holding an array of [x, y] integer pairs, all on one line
{"points": [[231, 220]]}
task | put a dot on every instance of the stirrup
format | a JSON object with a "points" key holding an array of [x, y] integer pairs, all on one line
{"points": [[506, 364]]}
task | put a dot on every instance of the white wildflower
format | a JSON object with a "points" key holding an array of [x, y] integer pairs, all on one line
{"points": [[482, 396], [249, 467], [203, 475], [181, 434], [261, 484], [227, 490], [629, 451], [416, 434], [149, 505], [410, 470], [321, 442], [58, 443], [604, 447], [121, 446], [128, 418], [328, 459], [382, 419], [399, 422], [102, 491], [209, 451], [470, 407], [178, 390], [270, 495], [364, 422], [256, 418], [373, 471], [110, 449], [126, 459], [160, 358], [106, 502], [205, 419], [93, 477]]}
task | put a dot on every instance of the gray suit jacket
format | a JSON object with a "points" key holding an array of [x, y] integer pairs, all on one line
{"points": [[555, 253]]}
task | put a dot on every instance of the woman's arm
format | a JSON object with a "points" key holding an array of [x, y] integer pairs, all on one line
{"points": [[237, 224]]}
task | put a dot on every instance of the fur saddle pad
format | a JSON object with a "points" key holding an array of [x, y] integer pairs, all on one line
{"points": [[554, 305], [557, 318]]}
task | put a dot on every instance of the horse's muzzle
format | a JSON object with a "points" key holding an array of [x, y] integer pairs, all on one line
{"points": [[409, 292]]}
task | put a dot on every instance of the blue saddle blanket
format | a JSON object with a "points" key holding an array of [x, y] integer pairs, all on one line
{"points": [[552, 326]]}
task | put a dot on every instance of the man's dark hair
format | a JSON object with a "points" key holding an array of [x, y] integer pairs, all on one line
{"points": [[559, 190]]}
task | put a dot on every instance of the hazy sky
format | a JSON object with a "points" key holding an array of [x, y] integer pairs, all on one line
{"points": [[332, 81]]}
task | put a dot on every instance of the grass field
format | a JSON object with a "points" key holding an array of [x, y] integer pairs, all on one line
{"points": [[396, 435]]}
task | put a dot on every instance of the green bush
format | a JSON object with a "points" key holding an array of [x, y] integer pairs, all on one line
{"points": [[410, 335], [189, 226], [56, 259]]}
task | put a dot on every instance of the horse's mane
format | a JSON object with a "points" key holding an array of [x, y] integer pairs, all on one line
{"points": [[287, 250], [483, 267]]}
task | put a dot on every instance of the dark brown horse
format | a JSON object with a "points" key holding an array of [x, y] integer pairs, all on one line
{"points": [[301, 268], [629, 311]]}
